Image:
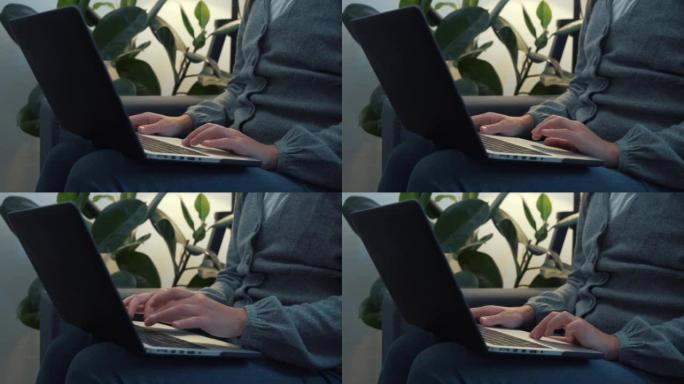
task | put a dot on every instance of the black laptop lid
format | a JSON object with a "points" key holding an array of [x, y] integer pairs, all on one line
{"points": [[403, 247], [407, 61], [66, 260], [63, 56]]}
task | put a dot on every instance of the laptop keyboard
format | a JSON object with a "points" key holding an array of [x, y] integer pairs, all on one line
{"points": [[499, 338], [501, 146], [163, 339], [155, 145]]}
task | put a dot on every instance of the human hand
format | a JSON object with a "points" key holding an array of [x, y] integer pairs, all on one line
{"points": [[574, 136], [200, 311], [507, 317], [145, 302], [577, 331], [491, 123], [149, 123], [229, 139]]}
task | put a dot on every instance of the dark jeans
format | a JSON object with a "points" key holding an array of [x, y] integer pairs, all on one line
{"points": [[76, 357], [416, 166], [74, 165], [416, 357]]}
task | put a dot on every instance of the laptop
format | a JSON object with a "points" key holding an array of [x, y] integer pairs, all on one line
{"points": [[408, 62], [406, 253], [61, 250], [62, 54]]}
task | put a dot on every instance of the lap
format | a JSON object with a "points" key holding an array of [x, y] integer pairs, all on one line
{"points": [[452, 363], [77, 357], [109, 170], [451, 170]]}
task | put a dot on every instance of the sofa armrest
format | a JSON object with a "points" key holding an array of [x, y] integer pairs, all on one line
{"points": [[392, 131], [50, 131], [393, 325], [52, 325]]}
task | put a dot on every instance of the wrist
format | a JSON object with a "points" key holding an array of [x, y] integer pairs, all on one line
{"points": [[528, 313], [270, 157], [612, 154], [527, 121], [240, 321], [185, 121]]}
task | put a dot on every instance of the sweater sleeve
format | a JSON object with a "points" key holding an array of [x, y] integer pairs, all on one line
{"points": [[567, 103], [308, 335], [314, 157], [564, 297], [655, 348], [654, 156]]}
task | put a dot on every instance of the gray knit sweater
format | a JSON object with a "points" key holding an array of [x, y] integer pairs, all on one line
{"points": [[628, 279], [285, 269], [287, 89], [629, 87]]}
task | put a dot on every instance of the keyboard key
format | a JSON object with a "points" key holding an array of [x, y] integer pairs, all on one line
{"points": [[499, 338], [159, 146], [496, 145], [159, 338]]}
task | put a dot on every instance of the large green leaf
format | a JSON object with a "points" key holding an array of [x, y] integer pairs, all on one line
{"points": [[202, 206], [186, 215], [228, 28], [370, 310], [482, 73], [28, 122], [202, 14], [355, 11], [141, 74], [541, 282], [115, 223], [544, 206], [199, 89], [424, 5], [483, 266], [14, 11], [509, 229], [186, 22], [570, 29], [544, 14], [467, 87], [466, 279], [167, 229], [528, 22], [570, 221], [528, 215], [125, 87], [81, 4], [168, 37], [139, 264], [123, 279], [458, 30], [117, 29], [510, 37], [458, 222], [354, 204], [15, 203]]}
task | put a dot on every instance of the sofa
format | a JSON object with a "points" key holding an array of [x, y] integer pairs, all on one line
{"points": [[393, 325], [393, 132]]}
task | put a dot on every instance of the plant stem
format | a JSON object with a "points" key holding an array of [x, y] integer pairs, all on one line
{"points": [[185, 257]]}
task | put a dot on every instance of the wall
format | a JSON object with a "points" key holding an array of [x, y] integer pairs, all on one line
{"points": [[18, 151], [361, 345], [362, 156], [18, 343]]}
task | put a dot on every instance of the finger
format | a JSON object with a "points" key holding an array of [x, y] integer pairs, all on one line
{"points": [[564, 339], [173, 313], [549, 122], [487, 118], [215, 132], [560, 133], [135, 303], [202, 130], [560, 143], [487, 310], [558, 322], [162, 297], [223, 143], [189, 322], [538, 331], [498, 319], [555, 122], [144, 118], [154, 128]]}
